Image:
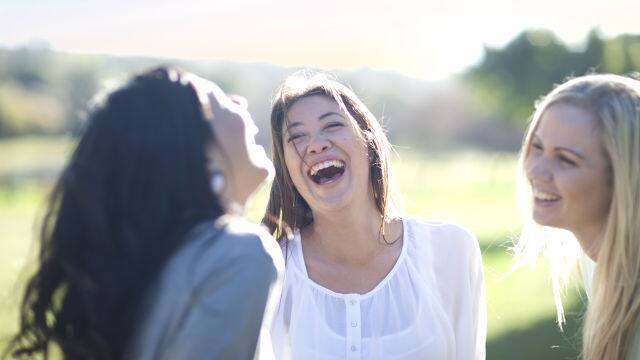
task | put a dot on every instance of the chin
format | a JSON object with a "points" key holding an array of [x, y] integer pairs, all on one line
{"points": [[263, 172], [548, 221], [542, 218], [330, 203]]}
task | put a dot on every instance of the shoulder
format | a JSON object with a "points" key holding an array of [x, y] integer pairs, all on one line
{"points": [[255, 239], [214, 247], [234, 237], [444, 236]]}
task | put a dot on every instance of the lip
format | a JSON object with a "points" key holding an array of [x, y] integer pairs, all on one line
{"points": [[545, 198], [321, 160], [545, 203]]}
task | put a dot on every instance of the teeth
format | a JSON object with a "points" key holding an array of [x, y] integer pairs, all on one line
{"points": [[325, 164], [544, 196]]}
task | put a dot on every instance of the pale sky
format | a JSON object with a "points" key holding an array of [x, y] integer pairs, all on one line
{"points": [[427, 39]]}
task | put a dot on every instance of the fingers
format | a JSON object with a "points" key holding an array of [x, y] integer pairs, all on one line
{"points": [[208, 92], [217, 98], [240, 100]]}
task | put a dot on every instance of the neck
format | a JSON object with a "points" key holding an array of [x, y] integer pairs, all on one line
{"points": [[590, 239], [351, 235], [232, 204]]}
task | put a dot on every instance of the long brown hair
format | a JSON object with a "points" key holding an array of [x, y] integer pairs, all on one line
{"points": [[286, 206]]}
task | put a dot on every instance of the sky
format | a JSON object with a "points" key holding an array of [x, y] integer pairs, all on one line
{"points": [[426, 39]]}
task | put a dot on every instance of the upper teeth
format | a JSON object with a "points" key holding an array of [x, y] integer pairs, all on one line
{"points": [[325, 164], [543, 195]]}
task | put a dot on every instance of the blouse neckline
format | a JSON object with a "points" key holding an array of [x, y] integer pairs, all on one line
{"points": [[302, 269]]}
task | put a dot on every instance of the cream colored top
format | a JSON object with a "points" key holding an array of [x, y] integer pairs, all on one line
{"points": [[431, 305]]}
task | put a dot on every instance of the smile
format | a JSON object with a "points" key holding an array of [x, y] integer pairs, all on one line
{"points": [[326, 171], [545, 196]]}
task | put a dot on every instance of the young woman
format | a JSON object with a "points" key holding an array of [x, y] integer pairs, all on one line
{"points": [[580, 166], [139, 256], [360, 282]]}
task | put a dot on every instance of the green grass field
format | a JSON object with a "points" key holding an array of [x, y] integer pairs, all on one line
{"points": [[472, 189]]}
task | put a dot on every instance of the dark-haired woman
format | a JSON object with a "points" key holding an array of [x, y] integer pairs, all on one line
{"points": [[361, 282], [141, 256]]}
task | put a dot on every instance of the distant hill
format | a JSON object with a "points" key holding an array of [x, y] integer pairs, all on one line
{"points": [[43, 91]]}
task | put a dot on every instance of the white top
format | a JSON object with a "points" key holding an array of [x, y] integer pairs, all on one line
{"points": [[430, 306]]}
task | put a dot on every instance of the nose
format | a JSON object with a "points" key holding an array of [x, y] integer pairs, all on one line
{"points": [[318, 144], [538, 170]]}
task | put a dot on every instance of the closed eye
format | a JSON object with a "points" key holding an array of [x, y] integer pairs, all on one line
{"points": [[334, 125], [536, 146], [566, 160], [294, 137]]}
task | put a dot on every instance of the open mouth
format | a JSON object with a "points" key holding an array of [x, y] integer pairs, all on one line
{"points": [[544, 197], [326, 171]]}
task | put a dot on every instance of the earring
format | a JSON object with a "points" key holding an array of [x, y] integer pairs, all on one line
{"points": [[217, 182]]}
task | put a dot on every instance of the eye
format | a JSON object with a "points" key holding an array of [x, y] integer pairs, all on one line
{"points": [[565, 160], [294, 137], [536, 147], [334, 125]]}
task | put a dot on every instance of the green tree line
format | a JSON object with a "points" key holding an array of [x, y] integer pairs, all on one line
{"points": [[509, 80]]}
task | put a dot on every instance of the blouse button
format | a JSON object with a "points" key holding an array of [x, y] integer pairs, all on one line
{"points": [[353, 302], [354, 348], [354, 323]]}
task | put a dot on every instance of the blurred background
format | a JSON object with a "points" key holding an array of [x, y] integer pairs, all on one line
{"points": [[454, 85]]}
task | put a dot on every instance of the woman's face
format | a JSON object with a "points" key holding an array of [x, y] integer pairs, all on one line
{"points": [[244, 163], [325, 154], [569, 172]]}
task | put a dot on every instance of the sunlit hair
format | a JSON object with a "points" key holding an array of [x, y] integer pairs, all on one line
{"points": [[612, 314], [286, 206]]}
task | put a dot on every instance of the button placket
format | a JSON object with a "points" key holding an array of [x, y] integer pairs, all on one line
{"points": [[353, 323]]}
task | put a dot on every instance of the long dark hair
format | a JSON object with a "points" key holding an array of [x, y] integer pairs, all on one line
{"points": [[136, 183], [286, 207]]}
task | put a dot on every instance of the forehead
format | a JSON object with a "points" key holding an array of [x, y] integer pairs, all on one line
{"points": [[311, 108], [569, 125]]}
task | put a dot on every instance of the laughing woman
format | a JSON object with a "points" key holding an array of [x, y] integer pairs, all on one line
{"points": [[580, 171], [361, 283]]}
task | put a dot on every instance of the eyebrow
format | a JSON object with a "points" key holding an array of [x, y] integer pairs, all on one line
{"points": [[321, 117], [561, 148]]}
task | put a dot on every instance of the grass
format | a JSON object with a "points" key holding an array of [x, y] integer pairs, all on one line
{"points": [[472, 189]]}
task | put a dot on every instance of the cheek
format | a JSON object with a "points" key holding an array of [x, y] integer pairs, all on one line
{"points": [[353, 144], [292, 163], [588, 191], [602, 195], [528, 166]]}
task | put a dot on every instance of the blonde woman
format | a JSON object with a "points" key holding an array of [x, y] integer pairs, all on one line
{"points": [[580, 180]]}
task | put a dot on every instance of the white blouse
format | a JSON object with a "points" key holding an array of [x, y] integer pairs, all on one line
{"points": [[430, 306]]}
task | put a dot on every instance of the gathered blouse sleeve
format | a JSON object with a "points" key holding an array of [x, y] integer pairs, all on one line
{"points": [[457, 260]]}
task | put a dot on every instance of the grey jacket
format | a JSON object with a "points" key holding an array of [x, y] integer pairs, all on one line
{"points": [[210, 299]]}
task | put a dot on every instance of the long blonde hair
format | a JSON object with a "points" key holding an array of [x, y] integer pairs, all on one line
{"points": [[612, 314]]}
